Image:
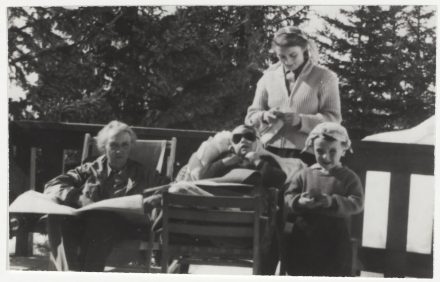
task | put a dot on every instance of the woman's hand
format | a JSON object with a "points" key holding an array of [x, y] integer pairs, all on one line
{"points": [[84, 200], [153, 200], [272, 115], [253, 157], [291, 118], [232, 160]]}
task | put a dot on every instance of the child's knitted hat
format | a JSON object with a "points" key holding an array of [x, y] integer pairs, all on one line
{"points": [[330, 129]]}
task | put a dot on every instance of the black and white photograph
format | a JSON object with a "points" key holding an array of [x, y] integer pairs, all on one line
{"points": [[218, 140]]}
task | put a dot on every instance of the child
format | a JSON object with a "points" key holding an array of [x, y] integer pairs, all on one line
{"points": [[321, 199]]}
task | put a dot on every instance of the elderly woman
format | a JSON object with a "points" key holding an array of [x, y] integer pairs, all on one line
{"points": [[293, 96], [83, 243]]}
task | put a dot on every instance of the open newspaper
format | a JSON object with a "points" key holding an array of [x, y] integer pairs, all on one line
{"points": [[131, 207]]}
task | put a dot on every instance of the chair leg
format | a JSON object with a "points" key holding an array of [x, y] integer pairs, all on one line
{"points": [[183, 267], [282, 268], [148, 256], [354, 257], [149, 252], [282, 249], [164, 262], [255, 269], [256, 265], [174, 266]]}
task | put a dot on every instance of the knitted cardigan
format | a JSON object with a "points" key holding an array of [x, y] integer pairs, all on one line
{"points": [[315, 96]]}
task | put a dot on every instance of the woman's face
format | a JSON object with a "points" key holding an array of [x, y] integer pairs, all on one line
{"points": [[291, 57], [117, 149], [243, 141]]}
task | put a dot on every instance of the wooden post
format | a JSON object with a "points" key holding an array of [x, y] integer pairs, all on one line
{"points": [[398, 225], [20, 168]]}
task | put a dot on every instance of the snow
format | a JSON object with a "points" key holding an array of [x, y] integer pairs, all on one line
{"points": [[423, 134]]}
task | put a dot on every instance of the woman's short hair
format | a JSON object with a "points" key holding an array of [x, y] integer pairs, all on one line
{"points": [[113, 127], [290, 36]]}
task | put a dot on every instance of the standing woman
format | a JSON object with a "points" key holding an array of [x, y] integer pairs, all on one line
{"points": [[293, 96]]}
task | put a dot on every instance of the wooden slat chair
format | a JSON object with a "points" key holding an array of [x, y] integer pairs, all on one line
{"points": [[206, 219], [157, 153], [151, 153]]}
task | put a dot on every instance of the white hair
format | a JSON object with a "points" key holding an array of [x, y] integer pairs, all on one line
{"points": [[113, 127]]}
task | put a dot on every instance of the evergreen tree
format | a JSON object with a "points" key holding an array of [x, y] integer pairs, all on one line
{"points": [[195, 68], [385, 59]]}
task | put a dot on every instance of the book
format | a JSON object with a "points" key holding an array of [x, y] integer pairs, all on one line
{"points": [[239, 181], [130, 207], [269, 132]]}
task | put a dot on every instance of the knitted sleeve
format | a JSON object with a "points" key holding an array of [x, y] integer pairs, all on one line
{"points": [[329, 108], [255, 111], [353, 200]]}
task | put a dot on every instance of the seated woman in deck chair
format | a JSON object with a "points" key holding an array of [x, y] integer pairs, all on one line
{"points": [[220, 154], [231, 150], [241, 149], [83, 243]]}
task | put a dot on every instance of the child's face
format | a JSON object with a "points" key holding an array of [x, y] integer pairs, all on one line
{"points": [[328, 153]]}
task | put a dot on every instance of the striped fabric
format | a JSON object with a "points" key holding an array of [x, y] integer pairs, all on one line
{"points": [[315, 95]]}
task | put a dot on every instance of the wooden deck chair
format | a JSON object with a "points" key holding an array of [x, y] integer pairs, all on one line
{"points": [[151, 153], [203, 220]]}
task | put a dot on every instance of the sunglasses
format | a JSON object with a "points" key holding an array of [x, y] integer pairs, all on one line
{"points": [[236, 138]]}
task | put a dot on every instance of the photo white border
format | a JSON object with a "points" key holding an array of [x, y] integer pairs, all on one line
{"points": [[6, 275]]}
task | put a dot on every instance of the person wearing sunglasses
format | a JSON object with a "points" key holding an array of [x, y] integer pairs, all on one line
{"points": [[293, 96], [242, 154]]}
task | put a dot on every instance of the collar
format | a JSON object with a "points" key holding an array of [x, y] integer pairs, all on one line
{"points": [[110, 170], [298, 70], [316, 166]]}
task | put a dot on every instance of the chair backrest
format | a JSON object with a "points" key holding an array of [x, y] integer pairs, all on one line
{"points": [[160, 154], [207, 217]]}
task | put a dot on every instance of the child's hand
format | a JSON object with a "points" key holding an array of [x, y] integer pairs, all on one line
{"points": [[306, 201], [325, 200]]}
